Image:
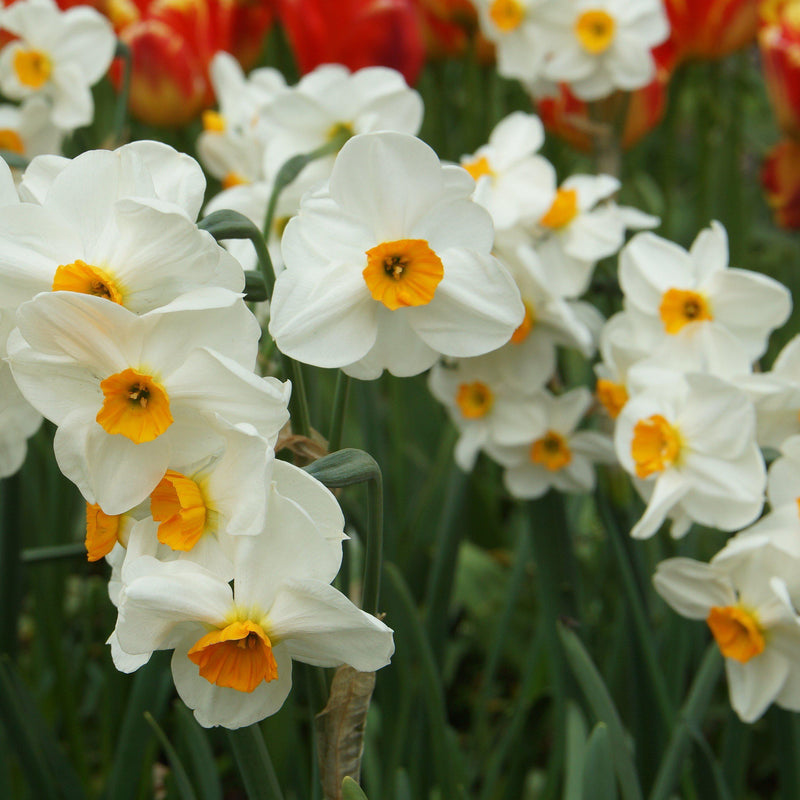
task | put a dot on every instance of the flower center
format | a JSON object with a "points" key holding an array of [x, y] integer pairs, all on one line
{"points": [[237, 657], [551, 451], [178, 504], [525, 327], [595, 31], [102, 532], [134, 405], [655, 446], [33, 68], [86, 279], [679, 307], [11, 141], [563, 210], [507, 15], [213, 121], [234, 179], [474, 399], [403, 273], [478, 167], [737, 632], [613, 396]]}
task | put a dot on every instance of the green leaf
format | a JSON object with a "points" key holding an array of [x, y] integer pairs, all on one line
{"points": [[201, 756], [254, 763], [576, 753], [351, 790], [344, 468], [603, 707], [45, 767], [182, 782], [598, 770]]}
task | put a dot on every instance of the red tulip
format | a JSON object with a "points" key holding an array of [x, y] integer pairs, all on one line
{"points": [[780, 176], [779, 41], [356, 33]]}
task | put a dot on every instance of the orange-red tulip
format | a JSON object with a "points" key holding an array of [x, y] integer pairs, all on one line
{"points": [[780, 176], [779, 41]]}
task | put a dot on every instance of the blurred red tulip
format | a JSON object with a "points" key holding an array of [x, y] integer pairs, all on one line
{"points": [[568, 117], [779, 41], [710, 28], [780, 176], [356, 33]]}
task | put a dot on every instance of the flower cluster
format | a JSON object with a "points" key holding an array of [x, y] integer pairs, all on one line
{"points": [[133, 339]]}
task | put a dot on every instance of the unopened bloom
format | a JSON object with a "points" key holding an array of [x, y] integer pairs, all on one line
{"points": [[390, 266], [690, 442], [57, 55], [233, 648]]}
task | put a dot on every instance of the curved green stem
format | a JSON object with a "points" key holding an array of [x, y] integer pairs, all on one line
{"points": [[340, 397]]}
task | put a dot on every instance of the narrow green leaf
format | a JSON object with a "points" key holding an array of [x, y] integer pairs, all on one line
{"points": [[576, 753], [254, 763], [602, 705], [45, 767], [402, 786], [351, 790], [598, 771], [201, 756], [182, 782]]}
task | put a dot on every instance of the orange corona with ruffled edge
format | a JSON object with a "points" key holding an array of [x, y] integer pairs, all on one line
{"points": [[102, 532], [32, 67], [551, 451], [11, 141], [135, 405], [525, 327], [656, 445], [474, 400], [86, 279], [237, 657], [679, 307], [563, 210], [179, 505], [737, 632], [595, 30], [403, 273], [612, 396]]}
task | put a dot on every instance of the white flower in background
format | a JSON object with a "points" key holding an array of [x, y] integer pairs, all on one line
{"points": [[691, 301], [554, 454], [233, 648], [28, 130], [513, 183], [389, 266], [131, 394], [598, 46], [8, 191], [751, 616], [485, 407], [59, 56], [518, 30], [330, 101], [690, 442], [580, 226], [776, 395], [232, 143], [107, 227]]}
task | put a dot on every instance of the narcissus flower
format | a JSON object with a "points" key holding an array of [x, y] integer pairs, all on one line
{"points": [[692, 300], [233, 648], [28, 130], [56, 55], [390, 266], [109, 226], [690, 442], [131, 393], [598, 46], [747, 607]]}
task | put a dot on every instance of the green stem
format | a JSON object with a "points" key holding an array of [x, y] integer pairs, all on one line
{"points": [[37, 555], [298, 402], [14, 160], [121, 110], [10, 577], [255, 765], [340, 397], [694, 708]]}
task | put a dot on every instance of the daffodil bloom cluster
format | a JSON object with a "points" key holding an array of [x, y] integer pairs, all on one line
{"points": [[50, 67], [262, 123], [133, 339], [594, 46]]}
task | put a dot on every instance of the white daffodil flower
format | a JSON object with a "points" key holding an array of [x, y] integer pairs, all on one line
{"points": [[691, 301], [485, 407], [130, 393], [597, 46], [28, 129], [107, 225], [690, 442], [233, 648], [555, 454], [513, 183], [520, 34], [56, 55], [389, 266], [746, 604]]}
